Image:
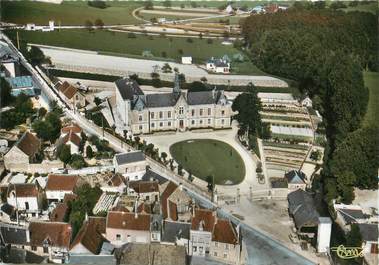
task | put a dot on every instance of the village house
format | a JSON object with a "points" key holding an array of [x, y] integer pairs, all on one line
{"points": [[148, 191], [126, 227], [22, 153], [178, 110], [50, 239], [71, 135], [349, 214], [71, 95], [113, 183], [59, 213], [176, 233], [369, 233], [89, 239], [14, 235], [59, 185], [25, 198], [131, 165], [221, 66], [213, 237], [176, 204], [296, 179]]}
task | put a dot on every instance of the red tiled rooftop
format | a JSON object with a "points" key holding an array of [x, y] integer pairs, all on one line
{"points": [[61, 182]]}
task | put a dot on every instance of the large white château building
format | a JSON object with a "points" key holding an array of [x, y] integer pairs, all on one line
{"points": [[178, 110]]}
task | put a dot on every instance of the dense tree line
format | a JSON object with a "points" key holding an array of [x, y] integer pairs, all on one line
{"points": [[326, 51]]}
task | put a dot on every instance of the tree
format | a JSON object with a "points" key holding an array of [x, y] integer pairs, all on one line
{"points": [[209, 41], [88, 25], [167, 4], [5, 93], [164, 156], [64, 153], [42, 112], [97, 4], [200, 35], [149, 5], [193, 4], [189, 40], [36, 56], [77, 161], [203, 79], [97, 101], [197, 86], [99, 23], [354, 237], [209, 180], [166, 68], [180, 170], [89, 151]]}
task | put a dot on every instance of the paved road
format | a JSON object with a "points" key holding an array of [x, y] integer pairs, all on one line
{"points": [[261, 248], [94, 62]]}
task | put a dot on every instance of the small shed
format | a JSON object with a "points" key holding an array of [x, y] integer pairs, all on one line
{"points": [[186, 59]]}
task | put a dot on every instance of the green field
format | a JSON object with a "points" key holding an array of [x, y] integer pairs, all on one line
{"points": [[122, 45], [67, 13], [371, 81], [210, 158]]}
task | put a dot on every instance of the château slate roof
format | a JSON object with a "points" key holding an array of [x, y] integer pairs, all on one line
{"points": [[161, 100], [12, 234], [128, 88], [301, 207], [130, 157], [369, 232], [295, 177]]}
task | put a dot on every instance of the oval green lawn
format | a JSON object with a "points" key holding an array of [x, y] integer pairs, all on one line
{"points": [[203, 157]]}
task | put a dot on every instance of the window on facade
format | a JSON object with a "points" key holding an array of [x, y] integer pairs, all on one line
{"points": [[161, 124], [140, 127], [209, 111], [201, 112], [169, 123], [152, 125], [201, 249], [223, 112], [225, 255], [126, 170], [209, 121], [222, 122], [226, 246], [181, 110], [118, 237], [193, 112], [140, 117], [45, 250], [160, 115], [168, 114], [193, 122], [201, 121], [152, 115], [215, 254], [155, 237], [27, 205], [34, 248], [216, 244], [147, 198], [194, 249]]}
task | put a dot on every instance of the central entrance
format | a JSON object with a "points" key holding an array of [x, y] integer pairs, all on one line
{"points": [[181, 124]]}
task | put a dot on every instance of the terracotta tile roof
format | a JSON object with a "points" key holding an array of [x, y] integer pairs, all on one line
{"points": [[125, 220], [55, 233], [61, 182], [144, 186], [172, 211], [24, 190], [71, 137], [59, 213], [203, 218], [171, 187], [68, 90], [224, 232], [90, 235], [71, 128], [29, 144]]}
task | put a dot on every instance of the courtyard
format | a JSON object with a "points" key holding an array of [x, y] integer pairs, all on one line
{"points": [[205, 158]]}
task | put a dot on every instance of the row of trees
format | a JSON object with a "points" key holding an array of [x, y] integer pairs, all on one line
{"points": [[326, 52]]}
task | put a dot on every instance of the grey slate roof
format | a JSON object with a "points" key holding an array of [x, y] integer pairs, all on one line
{"points": [[295, 177], [161, 100], [202, 97], [128, 88], [350, 215], [12, 234], [154, 176], [301, 207], [173, 230], [130, 157], [369, 232]]}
